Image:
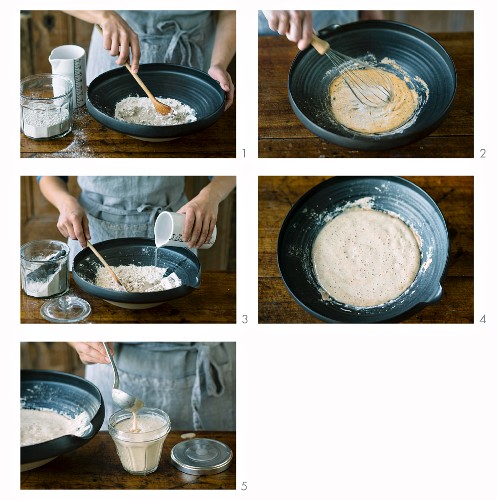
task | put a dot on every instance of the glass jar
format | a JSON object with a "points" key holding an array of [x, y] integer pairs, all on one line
{"points": [[46, 106], [139, 452], [44, 268]]}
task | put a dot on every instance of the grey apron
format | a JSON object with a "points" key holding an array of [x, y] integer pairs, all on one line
{"points": [[183, 37], [126, 206], [194, 383]]}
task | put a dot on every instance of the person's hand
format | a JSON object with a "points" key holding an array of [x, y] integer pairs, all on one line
{"points": [[296, 25], [223, 77], [92, 352], [201, 216], [119, 38], [73, 222]]}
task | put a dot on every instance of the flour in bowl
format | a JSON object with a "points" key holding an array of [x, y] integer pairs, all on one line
{"points": [[137, 278], [141, 111]]}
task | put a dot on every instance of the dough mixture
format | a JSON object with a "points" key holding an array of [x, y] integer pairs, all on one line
{"points": [[38, 426], [137, 278], [365, 257], [348, 111], [141, 111]]}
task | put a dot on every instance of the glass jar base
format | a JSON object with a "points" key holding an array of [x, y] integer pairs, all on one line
{"points": [[141, 473], [65, 309], [48, 138]]}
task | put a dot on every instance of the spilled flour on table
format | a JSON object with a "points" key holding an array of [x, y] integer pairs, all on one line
{"points": [[137, 278], [141, 111], [80, 144]]}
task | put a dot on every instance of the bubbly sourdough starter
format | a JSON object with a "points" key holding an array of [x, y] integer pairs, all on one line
{"points": [[140, 451], [365, 257], [38, 426], [354, 115]]}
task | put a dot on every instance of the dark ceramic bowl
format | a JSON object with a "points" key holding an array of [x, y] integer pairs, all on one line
{"points": [[415, 51], [66, 394], [189, 85], [392, 194], [140, 252]]}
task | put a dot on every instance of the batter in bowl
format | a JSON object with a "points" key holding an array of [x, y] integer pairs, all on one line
{"points": [[365, 257], [38, 426], [351, 113]]}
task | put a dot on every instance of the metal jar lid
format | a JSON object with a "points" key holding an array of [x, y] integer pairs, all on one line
{"points": [[201, 456]]}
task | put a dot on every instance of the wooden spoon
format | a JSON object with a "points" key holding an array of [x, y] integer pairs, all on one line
{"points": [[102, 260], [161, 108]]}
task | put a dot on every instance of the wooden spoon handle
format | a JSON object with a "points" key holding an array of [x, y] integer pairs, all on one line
{"points": [[320, 45], [140, 83], [134, 75], [161, 108], [102, 260]]}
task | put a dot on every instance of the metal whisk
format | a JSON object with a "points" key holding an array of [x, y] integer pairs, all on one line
{"points": [[371, 88]]}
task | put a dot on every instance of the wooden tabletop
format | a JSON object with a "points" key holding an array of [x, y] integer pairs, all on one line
{"points": [[453, 195], [213, 302], [281, 134], [90, 139], [97, 466]]}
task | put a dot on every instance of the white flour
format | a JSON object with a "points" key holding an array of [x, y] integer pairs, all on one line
{"points": [[141, 111], [45, 280], [79, 146], [137, 278], [45, 122], [51, 286]]}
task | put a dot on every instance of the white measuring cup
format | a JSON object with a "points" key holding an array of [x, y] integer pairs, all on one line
{"points": [[169, 228], [70, 61]]}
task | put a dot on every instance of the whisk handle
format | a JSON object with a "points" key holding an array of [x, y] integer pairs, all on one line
{"points": [[320, 45]]}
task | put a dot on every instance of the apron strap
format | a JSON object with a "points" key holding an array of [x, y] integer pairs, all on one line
{"points": [[214, 381], [181, 41]]}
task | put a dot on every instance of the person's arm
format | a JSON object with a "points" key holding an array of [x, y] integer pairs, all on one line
{"points": [[296, 25], [118, 37], [201, 211], [223, 52], [92, 352], [72, 222]]}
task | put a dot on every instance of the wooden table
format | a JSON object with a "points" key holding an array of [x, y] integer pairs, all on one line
{"points": [[90, 139], [97, 466], [213, 302], [453, 195], [282, 135]]}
